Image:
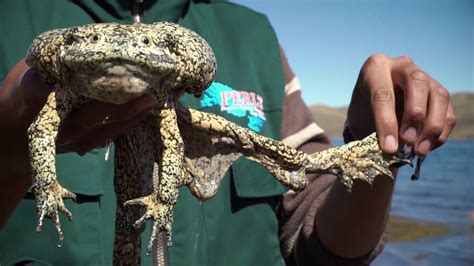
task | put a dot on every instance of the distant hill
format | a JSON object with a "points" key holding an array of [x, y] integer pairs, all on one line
{"points": [[332, 118], [463, 104]]}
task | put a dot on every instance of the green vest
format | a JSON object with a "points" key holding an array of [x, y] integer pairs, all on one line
{"points": [[238, 226]]}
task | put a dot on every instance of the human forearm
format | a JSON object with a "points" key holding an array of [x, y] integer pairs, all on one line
{"points": [[350, 224], [353, 222], [15, 179], [16, 112], [404, 105]]}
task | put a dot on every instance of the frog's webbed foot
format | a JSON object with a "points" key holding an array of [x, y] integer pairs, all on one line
{"points": [[167, 175], [41, 137], [160, 212], [49, 200], [357, 160]]}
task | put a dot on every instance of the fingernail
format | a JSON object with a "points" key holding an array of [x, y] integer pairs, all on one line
{"points": [[424, 146], [410, 134], [390, 143]]}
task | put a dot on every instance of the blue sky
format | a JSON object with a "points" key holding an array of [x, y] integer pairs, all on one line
{"points": [[327, 41]]}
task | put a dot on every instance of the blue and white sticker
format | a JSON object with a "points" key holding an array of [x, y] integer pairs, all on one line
{"points": [[237, 103]]}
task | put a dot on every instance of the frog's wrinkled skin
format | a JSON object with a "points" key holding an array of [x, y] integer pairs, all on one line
{"points": [[117, 63]]}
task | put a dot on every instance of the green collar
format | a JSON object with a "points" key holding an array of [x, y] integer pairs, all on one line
{"points": [[121, 10]]}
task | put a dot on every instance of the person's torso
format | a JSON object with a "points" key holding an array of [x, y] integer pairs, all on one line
{"points": [[238, 226]]}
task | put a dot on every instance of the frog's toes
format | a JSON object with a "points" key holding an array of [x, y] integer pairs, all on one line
{"points": [[357, 160], [49, 200], [161, 213]]}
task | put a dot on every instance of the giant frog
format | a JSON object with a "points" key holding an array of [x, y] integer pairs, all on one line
{"points": [[175, 145]]}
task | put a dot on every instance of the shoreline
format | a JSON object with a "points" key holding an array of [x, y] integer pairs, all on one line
{"points": [[402, 229]]}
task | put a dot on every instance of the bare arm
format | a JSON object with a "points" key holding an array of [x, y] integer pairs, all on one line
{"points": [[325, 217], [19, 103], [403, 104]]}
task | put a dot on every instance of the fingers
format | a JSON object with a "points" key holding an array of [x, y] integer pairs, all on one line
{"points": [[433, 126], [97, 137], [380, 87], [91, 125], [22, 95], [415, 85], [405, 103], [450, 122], [428, 117]]}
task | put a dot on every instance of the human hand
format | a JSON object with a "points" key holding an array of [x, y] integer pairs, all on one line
{"points": [[399, 101], [94, 123], [22, 96], [85, 128]]}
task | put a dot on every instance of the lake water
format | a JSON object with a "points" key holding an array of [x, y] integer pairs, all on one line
{"points": [[445, 191], [444, 194]]}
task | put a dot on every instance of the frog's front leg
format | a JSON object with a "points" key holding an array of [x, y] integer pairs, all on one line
{"points": [[161, 202], [48, 192]]}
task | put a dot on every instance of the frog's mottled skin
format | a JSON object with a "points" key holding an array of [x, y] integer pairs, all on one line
{"points": [[117, 63]]}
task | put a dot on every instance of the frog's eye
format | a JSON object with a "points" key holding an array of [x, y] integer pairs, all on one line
{"points": [[145, 40], [95, 37]]}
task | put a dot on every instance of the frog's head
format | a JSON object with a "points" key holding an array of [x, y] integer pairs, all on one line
{"points": [[196, 67], [116, 63]]}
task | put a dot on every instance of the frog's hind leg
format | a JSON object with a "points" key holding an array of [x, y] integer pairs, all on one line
{"points": [[42, 133], [286, 163], [159, 205], [357, 160], [362, 160], [134, 157]]}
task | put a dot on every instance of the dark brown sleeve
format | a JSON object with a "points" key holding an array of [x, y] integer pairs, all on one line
{"points": [[299, 242]]}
